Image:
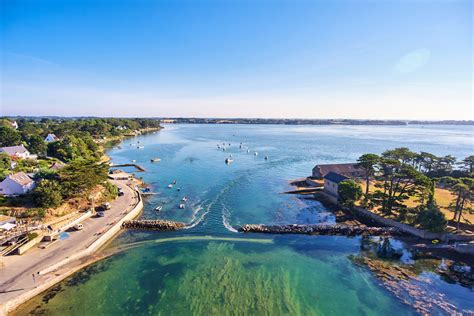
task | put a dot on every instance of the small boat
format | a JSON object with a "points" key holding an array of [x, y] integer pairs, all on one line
{"points": [[170, 186], [140, 147], [182, 205], [159, 208], [266, 157], [248, 150], [133, 160], [178, 189], [255, 153], [185, 199], [174, 181], [155, 160], [228, 161], [223, 148]]}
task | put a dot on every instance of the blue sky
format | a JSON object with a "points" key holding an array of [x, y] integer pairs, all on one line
{"points": [[235, 58]]}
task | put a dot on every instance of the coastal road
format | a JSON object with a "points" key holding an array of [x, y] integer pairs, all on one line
{"points": [[16, 271]]}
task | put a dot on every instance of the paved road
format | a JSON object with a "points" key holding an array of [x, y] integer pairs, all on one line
{"points": [[16, 271]]}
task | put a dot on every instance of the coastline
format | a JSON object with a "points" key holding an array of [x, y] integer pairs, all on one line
{"points": [[64, 268], [69, 265]]}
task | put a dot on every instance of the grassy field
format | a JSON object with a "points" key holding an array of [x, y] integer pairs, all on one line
{"points": [[443, 198]]}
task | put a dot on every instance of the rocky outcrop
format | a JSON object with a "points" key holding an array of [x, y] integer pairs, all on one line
{"points": [[161, 225], [344, 230]]}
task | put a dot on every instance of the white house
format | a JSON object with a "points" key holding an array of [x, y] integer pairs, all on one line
{"points": [[51, 138], [16, 184], [331, 182], [17, 152]]}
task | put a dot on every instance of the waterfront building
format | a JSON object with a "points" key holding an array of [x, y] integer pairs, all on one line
{"points": [[16, 184], [17, 152], [331, 182], [346, 169]]}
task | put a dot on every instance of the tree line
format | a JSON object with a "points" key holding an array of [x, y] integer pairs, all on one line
{"points": [[400, 174]]}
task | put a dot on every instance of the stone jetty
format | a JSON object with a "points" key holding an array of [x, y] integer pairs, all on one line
{"points": [[337, 229], [161, 225]]}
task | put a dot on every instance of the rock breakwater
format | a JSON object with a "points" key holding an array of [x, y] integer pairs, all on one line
{"points": [[344, 230], [161, 225]]}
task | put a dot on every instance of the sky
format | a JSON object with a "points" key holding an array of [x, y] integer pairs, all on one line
{"points": [[407, 59]]}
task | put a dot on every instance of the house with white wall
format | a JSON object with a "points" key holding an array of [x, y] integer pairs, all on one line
{"points": [[17, 152], [51, 138], [16, 184], [331, 182]]}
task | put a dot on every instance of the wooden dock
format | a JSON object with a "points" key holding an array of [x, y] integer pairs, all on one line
{"points": [[138, 167]]}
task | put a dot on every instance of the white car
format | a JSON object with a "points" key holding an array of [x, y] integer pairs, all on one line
{"points": [[78, 226]]}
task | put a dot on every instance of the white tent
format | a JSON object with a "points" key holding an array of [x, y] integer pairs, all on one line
{"points": [[7, 226]]}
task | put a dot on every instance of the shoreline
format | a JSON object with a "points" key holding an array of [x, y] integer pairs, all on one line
{"points": [[62, 269]]}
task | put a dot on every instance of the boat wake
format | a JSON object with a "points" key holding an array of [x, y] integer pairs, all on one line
{"points": [[225, 219]]}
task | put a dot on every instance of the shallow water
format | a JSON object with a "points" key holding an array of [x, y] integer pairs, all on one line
{"points": [[184, 273]]}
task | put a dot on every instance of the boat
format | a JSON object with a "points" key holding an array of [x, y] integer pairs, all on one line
{"points": [[155, 160], [182, 205], [159, 208], [185, 199], [223, 148], [255, 153], [248, 150], [133, 160], [140, 147], [266, 157], [228, 161], [174, 181], [170, 186], [178, 189]]}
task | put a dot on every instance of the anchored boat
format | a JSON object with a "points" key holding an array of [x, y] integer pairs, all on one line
{"points": [[155, 160]]}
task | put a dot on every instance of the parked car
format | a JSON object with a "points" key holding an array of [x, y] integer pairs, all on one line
{"points": [[100, 214], [107, 206], [120, 193]]}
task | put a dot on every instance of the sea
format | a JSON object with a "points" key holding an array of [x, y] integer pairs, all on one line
{"points": [[211, 269]]}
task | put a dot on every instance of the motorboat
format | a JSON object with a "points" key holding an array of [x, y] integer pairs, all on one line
{"points": [[255, 153], [248, 150], [159, 208], [185, 199], [133, 160], [140, 147], [174, 181], [228, 161], [182, 205], [170, 186], [266, 157], [155, 160]]}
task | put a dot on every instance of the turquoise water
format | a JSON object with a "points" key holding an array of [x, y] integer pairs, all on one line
{"points": [[229, 273]]}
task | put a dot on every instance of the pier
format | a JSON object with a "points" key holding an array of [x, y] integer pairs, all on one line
{"points": [[138, 167], [339, 230]]}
